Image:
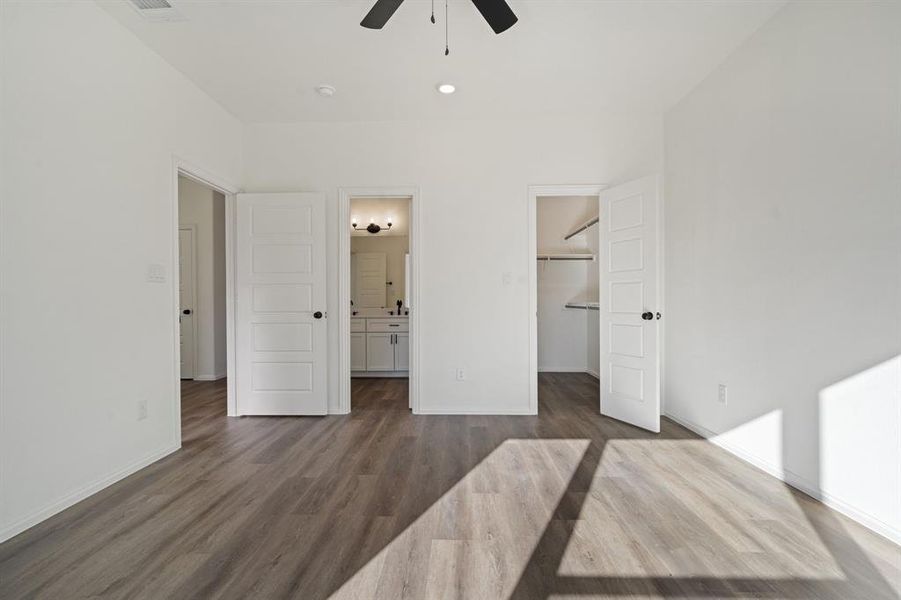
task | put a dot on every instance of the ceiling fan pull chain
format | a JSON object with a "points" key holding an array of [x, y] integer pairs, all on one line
{"points": [[433, 12], [446, 45]]}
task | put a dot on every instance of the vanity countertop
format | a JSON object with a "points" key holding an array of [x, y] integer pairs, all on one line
{"points": [[378, 316]]}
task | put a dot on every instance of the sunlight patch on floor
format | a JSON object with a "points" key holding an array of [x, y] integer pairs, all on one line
{"points": [[647, 516], [467, 541]]}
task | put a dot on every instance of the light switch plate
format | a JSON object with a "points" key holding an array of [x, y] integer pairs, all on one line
{"points": [[723, 394], [156, 273]]}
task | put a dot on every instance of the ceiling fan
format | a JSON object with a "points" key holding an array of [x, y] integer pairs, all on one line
{"points": [[497, 12]]}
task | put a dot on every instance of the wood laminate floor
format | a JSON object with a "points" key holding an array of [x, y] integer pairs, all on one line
{"points": [[384, 504]]}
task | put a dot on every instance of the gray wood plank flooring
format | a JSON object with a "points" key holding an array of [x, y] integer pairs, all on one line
{"points": [[384, 504]]}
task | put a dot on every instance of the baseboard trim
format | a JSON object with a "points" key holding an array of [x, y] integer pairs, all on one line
{"points": [[80, 494], [379, 374], [562, 370], [216, 377], [487, 412], [594, 374], [796, 481]]}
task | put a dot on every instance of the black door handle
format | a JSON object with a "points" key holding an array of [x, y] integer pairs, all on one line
{"points": [[317, 315], [186, 311], [647, 316]]}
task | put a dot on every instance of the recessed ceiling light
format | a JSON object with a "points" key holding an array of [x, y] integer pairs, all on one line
{"points": [[447, 88], [325, 90]]}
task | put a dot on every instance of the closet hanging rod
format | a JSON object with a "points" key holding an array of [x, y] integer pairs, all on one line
{"points": [[583, 305], [582, 227]]}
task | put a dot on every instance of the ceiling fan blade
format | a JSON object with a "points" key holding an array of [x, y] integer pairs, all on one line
{"points": [[380, 13], [497, 13]]}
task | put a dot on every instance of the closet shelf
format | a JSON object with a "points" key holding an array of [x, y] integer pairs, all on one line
{"points": [[582, 227], [570, 256], [583, 305]]}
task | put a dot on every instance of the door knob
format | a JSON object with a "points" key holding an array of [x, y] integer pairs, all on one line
{"points": [[186, 311], [317, 315], [647, 316]]}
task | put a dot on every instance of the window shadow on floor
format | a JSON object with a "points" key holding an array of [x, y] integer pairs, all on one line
{"points": [[378, 503]]}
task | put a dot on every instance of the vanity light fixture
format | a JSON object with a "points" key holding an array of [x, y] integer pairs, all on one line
{"points": [[373, 227]]}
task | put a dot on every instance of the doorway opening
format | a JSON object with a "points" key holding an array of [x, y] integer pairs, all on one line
{"points": [[201, 280], [567, 288], [623, 285], [378, 294]]}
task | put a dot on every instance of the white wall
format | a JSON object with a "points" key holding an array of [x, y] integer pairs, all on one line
{"points": [[204, 208], [563, 333], [91, 119], [783, 254], [473, 177]]}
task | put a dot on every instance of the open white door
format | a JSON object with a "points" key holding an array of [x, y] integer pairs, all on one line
{"points": [[628, 261], [280, 277]]}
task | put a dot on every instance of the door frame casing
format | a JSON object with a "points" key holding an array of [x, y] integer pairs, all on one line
{"points": [[534, 192], [343, 235], [192, 227], [182, 167]]}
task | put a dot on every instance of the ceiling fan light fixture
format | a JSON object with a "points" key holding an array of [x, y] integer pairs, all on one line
{"points": [[447, 88]]}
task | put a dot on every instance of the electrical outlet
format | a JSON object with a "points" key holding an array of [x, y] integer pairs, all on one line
{"points": [[723, 394], [142, 410], [461, 375]]}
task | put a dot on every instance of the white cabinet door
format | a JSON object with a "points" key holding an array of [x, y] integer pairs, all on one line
{"points": [[379, 352], [629, 328], [357, 351], [402, 352], [280, 285]]}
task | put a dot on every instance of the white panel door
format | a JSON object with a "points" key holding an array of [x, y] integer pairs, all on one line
{"points": [[628, 262], [186, 296], [280, 291], [370, 274]]}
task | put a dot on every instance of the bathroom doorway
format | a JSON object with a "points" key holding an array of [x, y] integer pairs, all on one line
{"points": [[378, 294]]}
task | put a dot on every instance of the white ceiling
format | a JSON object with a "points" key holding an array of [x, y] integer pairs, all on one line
{"points": [[261, 59]]}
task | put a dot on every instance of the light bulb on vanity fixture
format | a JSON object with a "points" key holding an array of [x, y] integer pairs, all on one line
{"points": [[373, 227]]}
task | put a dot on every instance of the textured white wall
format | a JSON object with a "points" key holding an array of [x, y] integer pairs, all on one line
{"points": [[474, 178], [91, 119], [783, 254]]}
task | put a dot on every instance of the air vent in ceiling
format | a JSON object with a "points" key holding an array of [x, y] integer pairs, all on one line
{"points": [[150, 4], [157, 10]]}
